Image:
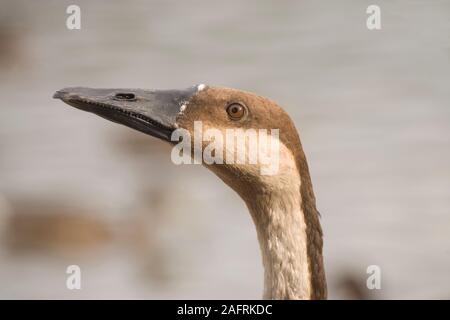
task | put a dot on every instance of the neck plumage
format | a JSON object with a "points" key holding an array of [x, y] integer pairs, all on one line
{"points": [[283, 208], [290, 239]]}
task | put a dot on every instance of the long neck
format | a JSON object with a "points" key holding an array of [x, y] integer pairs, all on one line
{"points": [[290, 238], [287, 223]]}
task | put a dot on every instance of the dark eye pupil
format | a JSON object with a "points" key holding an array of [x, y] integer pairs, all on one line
{"points": [[235, 111]]}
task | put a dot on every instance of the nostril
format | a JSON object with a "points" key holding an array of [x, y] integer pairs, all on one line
{"points": [[125, 96]]}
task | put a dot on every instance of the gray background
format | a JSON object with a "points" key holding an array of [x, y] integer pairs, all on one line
{"points": [[372, 108]]}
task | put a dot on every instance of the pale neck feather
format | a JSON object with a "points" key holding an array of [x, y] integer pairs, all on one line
{"points": [[281, 229], [275, 204]]}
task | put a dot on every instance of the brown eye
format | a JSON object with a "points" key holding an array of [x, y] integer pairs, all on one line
{"points": [[236, 111]]}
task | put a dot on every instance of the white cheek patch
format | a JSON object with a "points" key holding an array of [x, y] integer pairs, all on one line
{"points": [[201, 87]]}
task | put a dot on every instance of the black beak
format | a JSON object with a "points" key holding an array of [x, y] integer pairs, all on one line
{"points": [[153, 112]]}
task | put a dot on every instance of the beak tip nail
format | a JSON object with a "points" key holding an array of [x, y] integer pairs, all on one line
{"points": [[58, 95]]}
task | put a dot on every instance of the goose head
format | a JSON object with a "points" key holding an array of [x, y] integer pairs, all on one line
{"points": [[253, 141], [276, 186]]}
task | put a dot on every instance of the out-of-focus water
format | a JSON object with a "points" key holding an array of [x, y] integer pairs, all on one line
{"points": [[372, 107]]}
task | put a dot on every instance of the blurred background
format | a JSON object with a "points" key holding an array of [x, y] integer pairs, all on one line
{"points": [[372, 107]]}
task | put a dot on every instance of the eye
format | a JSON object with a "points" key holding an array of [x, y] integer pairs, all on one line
{"points": [[236, 111]]}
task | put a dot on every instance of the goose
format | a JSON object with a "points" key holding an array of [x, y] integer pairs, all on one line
{"points": [[282, 206]]}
